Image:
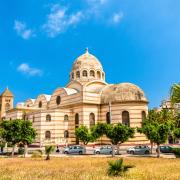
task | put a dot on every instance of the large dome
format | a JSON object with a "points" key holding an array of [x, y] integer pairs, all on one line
{"points": [[122, 92], [87, 67]]}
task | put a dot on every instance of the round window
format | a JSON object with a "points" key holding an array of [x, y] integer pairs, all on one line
{"points": [[58, 100]]}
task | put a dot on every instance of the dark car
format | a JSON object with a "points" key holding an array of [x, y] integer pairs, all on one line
{"points": [[165, 149]]}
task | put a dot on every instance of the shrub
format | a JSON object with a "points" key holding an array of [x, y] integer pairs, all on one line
{"points": [[117, 168], [176, 151], [36, 154], [21, 150]]}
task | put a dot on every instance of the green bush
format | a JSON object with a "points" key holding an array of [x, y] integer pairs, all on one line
{"points": [[176, 151], [21, 150], [117, 168], [36, 154]]}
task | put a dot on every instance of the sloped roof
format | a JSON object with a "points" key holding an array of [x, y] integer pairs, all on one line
{"points": [[7, 93]]}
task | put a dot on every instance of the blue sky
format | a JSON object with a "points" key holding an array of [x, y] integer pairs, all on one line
{"points": [[136, 41]]}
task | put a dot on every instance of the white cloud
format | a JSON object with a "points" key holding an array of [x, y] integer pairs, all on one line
{"points": [[117, 17], [26, 69], [59, 20], [22, 30]]}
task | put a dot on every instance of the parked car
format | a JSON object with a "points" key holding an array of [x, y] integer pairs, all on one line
{"points": [[76, 149], [139, 150], [165, 149], [104, 150]]}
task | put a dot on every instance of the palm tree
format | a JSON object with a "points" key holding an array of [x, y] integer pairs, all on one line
{"points": [[48, 151], [175, 93]]}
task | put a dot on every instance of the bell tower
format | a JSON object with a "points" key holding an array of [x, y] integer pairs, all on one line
{"points": [[6, 102]]}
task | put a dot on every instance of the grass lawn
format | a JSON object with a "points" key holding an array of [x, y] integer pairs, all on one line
{"points": [[87, 168]]}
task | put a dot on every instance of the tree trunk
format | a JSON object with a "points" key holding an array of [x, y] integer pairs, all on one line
{"points": [[13, 150], [118, 149], [113, 153], [158, 151], [48, 157], [151, 146], [25, 149]]}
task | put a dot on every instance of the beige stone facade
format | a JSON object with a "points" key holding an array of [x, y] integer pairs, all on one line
{"points": [[6, 102], [85, 100]]}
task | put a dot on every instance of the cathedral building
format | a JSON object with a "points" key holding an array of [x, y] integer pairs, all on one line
{"points": [[86, 100]]}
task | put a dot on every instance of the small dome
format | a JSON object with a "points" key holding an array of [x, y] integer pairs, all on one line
{"points": [[87, 67], [122, 92]]}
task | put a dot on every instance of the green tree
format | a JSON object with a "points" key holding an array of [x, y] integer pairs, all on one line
{"points": [[11, 132], [175, 93], [118, 134], [177, 133], [28, 134], [159, 117], [48, 151], [84, 134], [17, 131]]}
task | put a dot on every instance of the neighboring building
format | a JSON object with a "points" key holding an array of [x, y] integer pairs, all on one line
{"points": [[84, 100], [6, 102]]}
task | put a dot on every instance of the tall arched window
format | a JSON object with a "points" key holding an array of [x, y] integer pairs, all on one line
{"points": [[76, 120], [66, 134], [58, 100], [72, 75], [7, 107], [24, 116], [92, 73], [66, 118], [103, 76], [77, 74], [108, 121], [84, 73], [98, 74], [48, 117], [33, 119], [47, 135], [77, 125], [92, 119], [125, 118], [40, 104], [143, 115]]}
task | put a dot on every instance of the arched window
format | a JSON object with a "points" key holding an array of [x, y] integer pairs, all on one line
{"points": [[33, 119], [98, 74], [7, 107], [108, 121], [92, 119], [77, 74], [143, 115], [125, 118], [47, 135], [48, 118], [66, 117], [84, 73], [92, 73], [66, 134], [58, 100], [24, 116], [103, 76], [72, 75], [76, 120], [77, 125], [40, 104]]}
